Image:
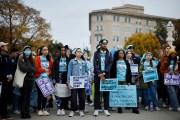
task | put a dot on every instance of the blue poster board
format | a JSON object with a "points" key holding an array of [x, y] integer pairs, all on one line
{"points": [[150, 75], [109, 85], [134, 69], [79, 82], [125, 96]]}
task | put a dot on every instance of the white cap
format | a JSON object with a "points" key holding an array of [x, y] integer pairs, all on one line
{"points": [[2, 44]]}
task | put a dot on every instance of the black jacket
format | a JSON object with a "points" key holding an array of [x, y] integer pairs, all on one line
{"points": [[128, 72], [55, 70], [27, 67]]}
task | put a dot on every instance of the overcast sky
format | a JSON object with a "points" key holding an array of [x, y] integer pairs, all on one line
{"points": [[70, 18]]}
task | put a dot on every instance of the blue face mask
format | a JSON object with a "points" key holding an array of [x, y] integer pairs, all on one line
{"points": [[27, 53]]}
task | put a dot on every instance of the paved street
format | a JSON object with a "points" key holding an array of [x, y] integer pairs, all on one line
{"points": [[127, 115]]}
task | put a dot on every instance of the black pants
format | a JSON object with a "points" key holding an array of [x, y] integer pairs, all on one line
{"points": [[41, 101], [97, 97], [6, 93], [81, 95], [26, 91]]}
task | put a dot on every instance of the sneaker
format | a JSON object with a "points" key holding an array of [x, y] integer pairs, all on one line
{"points": [[63, 112], [40, 113], [71, 114], [16, 112], [92, 104], [164, 105], [170, 109], [86, 103], [45, 113], [157, 109], [146, 108], [135, 111], [58, 112], [107, 113], [96, 112], [178, 109], [81, 114]]}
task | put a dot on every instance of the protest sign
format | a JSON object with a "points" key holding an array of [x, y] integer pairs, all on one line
{"points": [[79, 81], [45, 86], [134, 69], [172, 79], [125, 96], [109, 85], [62, 90], [150, 75]]}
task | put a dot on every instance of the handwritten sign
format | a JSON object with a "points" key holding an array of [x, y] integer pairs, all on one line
{"points": [[125, 96], [150, 75], [45, 86], [134, 69], [62, 90], [172, 79], [109, 85], [79, 81]]}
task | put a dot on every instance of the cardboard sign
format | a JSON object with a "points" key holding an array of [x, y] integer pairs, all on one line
{"points": [[109, 85], [150, 75], [134, 69], [172, 79], [45, 86], [79, 82], [62, 90], [125, 96]]}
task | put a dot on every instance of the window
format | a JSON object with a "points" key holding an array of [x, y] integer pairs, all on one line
{"points": [[125, 38], [116, 18], [139, 29], [127, 20], [116, 39], [136, 30], [99, 18], [99, 37], [99, 27]]}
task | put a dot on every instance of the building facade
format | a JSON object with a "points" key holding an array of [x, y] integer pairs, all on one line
{"points": [[119, 23]]}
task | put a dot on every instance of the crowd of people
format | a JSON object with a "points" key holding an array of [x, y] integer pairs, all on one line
{"points": [[103, 65]]}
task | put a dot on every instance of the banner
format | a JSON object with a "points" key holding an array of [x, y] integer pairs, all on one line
{"points": [[79, 81], [172, 79], [62, 90], [134, 69], [125, 96], [109, 85], [150, 75], [45, 86]]}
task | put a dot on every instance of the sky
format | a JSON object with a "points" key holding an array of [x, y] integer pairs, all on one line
{"points": [[69, 19]]}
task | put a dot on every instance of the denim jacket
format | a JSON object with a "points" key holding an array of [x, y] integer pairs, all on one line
{"points": [[73, 69]]}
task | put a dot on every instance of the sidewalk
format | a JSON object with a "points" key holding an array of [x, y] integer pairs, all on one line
{"points": [[126, 115]]}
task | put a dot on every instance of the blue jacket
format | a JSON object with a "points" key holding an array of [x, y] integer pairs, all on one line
{"points": [[73, 69], [97, 62]]}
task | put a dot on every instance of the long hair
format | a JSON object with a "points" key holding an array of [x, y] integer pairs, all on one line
{"points": [[116, 56], [30, 58], [48, 57], [169, 61]]}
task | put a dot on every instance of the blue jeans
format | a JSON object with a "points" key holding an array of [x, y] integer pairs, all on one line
{"points": [[152, 89], [173, 96], [15, 105]]}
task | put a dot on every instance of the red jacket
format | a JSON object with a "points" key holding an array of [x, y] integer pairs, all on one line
{"points": [[39, 69]]}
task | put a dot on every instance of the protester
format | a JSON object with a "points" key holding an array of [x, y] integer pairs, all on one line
{"points": [[102, 64], [59, 75], [6, 78], [77, 67], [172, 67], [147, 64], [43, 68], [26, 64]]}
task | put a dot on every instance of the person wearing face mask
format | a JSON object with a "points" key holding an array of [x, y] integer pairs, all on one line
{"points": [[26, 64]]}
